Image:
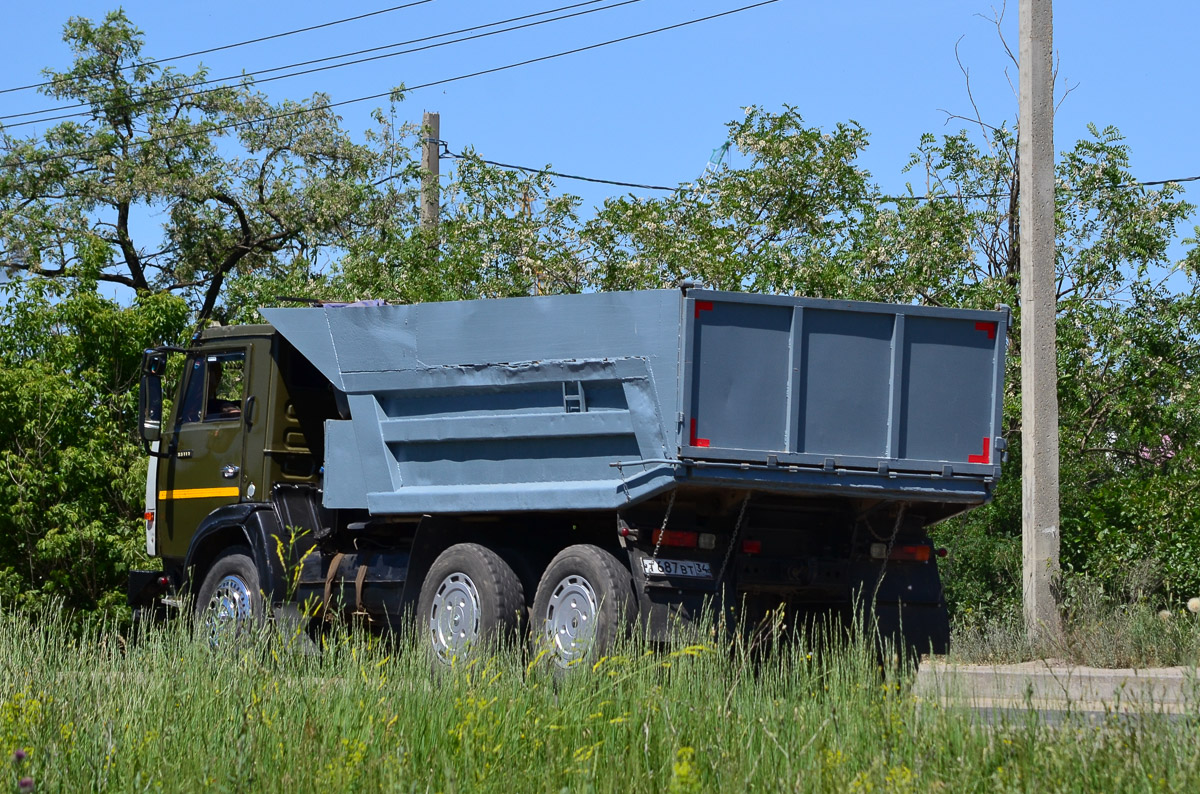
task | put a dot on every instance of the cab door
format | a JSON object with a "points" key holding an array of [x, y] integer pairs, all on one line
{"points": [[206, 454]]}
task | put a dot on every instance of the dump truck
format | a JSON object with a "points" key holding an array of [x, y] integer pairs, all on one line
{"points": [[569, 467]]}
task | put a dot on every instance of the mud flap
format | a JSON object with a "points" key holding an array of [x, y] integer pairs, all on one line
{"points": [[917, 628]]}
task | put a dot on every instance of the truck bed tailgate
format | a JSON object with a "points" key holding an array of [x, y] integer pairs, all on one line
{"points": [[841, 385]]}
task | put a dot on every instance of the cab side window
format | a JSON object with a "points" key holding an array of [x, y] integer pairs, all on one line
{"points": [[224, 383], [214, 388]]}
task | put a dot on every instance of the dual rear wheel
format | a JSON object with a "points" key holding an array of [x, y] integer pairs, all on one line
{"points": [[472, 597]]}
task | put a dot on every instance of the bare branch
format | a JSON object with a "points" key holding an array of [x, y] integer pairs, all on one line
{"points": [[1066, 93], [236, 206], [117, 278], [36, 270], [184, 285], [132, 259], [950, 116], [996, 19]]}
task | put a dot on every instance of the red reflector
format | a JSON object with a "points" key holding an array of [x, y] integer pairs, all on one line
{"points": [[751, 546], [686, 540], [703, 306], [942, 552], [163, 581], [697, 442], [986, 457], [149, 515], [990, 328], [913, 553]]}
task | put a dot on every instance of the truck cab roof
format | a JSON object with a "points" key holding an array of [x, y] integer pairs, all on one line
{"points": [[236, 331]]}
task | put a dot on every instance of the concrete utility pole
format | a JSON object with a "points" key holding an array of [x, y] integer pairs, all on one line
{"points": [[430, 160], [1039, 373]]}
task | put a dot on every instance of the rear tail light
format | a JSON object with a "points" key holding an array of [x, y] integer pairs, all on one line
{"points": [[913, 553], [678, 538], [917, 553], [751, 546]]}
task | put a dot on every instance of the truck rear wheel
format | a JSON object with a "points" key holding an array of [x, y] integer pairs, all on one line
{"points": [[470, 596], [584, 602], [229, 603]]}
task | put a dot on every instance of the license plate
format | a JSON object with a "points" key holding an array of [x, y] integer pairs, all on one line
{"points": [[659, 567]]}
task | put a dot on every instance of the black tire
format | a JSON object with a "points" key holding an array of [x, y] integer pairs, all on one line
{"points": [[229, 603], [584, 603], [471, 597]]}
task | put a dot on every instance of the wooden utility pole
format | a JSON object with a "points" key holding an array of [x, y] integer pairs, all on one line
{"points": [[1039, 373], [430, 160]]}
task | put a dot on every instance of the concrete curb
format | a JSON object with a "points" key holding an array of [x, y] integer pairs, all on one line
{"points": [[1053, 685]]}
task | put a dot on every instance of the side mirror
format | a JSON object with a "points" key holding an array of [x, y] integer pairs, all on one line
{"points": [[154, 363]]}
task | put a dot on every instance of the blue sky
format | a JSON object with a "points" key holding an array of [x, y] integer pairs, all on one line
{"points": [[652, 110]]}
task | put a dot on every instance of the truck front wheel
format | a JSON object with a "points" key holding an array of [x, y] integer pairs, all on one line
{"points": [[469, 596], [584, 602], [229, 603]]}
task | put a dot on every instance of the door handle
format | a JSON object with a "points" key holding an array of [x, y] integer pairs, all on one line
{"points": [[230, 471]]}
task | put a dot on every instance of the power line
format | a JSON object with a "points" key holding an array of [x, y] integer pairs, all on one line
{"points": [[236, 44], [929, 197], [188, 93], [527, 169], [1008, 194], [328, 105]]}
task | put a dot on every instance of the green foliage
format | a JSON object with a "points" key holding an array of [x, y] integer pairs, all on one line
{"points": [[784, 223], [1141, 535], [501, 233], [71, 474]]}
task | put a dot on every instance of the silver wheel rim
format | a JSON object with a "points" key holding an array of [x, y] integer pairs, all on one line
{"points": [[230, 611], [454, 617], [571, 619]]}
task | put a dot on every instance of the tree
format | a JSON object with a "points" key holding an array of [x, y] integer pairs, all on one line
{"points": [[243, 183], [784, 223], [71, 470], [501, 233]]}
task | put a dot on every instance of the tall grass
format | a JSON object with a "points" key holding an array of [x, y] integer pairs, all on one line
{"points": [[751, 714], [1100, 629]]}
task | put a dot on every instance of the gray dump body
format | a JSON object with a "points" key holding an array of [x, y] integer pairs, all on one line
{"points": [[530, 404]]}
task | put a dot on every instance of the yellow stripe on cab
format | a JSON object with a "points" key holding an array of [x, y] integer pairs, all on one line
{"points": [[199, 493]]}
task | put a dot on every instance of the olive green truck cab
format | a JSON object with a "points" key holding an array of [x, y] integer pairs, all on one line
{"points": [[235, 455], [568, 467]]}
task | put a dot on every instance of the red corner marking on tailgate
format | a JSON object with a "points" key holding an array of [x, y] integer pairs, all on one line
{"points": [[698, 442], [986, 457], [983, 325], [703, 306]]}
